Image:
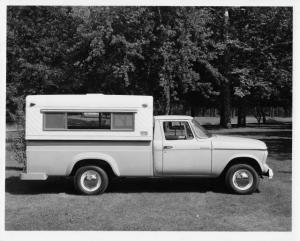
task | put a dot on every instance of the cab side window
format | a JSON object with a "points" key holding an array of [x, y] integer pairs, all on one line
{"points": [[177, 130]]}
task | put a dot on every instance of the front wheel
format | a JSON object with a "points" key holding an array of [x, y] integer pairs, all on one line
{"points": [[242, 179], [91, 180]]}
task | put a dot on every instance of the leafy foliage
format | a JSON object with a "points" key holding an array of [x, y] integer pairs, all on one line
{"points": [[180, 55]]}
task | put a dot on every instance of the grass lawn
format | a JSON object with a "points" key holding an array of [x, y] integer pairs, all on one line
{"points": [[159, 204]]}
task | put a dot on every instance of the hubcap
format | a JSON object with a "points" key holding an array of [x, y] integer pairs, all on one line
{"points": [[90, 180], [242, 179]]}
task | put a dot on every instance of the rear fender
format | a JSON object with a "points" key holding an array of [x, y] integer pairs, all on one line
{"points": [[96, 156]]}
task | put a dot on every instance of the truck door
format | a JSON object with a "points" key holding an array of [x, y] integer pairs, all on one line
{"points": [[183, 154]]}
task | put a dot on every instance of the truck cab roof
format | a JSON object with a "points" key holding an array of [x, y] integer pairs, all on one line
{"points": [[172, 117]]}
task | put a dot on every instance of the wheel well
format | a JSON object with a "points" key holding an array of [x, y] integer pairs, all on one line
{"points": [[243, 160], [94, 162]]}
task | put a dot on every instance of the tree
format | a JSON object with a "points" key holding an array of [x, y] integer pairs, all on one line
{"points": [[262, 58], [187, 56], [38, 39]]}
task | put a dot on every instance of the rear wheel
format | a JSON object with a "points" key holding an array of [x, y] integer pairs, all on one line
{"points": [[242, 179], [91, 180]]}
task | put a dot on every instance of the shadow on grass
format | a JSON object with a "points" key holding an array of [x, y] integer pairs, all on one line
{"points": [[167, 185], [274, 125], [13, 168], [285, 172], [279, 149], [274, 134], [14, 185]]}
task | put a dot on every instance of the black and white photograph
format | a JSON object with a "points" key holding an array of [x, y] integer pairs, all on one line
{"points": [[146, 117]]}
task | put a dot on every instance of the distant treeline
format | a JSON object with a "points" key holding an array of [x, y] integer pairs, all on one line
{"points": [[228, 58], [261, 115]]}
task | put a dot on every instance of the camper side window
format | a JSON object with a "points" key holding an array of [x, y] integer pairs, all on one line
{"points": [[122, 121], [54, 121], [89, 121]]}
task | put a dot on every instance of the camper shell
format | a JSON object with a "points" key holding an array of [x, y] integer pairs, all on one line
{"points": [[58, 117]]}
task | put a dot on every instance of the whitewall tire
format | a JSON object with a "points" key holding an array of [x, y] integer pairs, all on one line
{"points": [[91, 180], [242, 179]]}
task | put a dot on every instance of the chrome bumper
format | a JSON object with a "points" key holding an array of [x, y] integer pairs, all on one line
{"points": [[269, 173], [33, 176]]}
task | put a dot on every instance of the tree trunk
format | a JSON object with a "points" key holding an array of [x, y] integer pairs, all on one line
{"points": [[168, 99], [258, 114], [241, 115], [225, 118], [225, 110], [192, 111], [264, 119], [286, 111]]}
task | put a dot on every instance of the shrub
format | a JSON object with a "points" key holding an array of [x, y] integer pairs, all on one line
{"points": [[18, 146], [18, 143]]}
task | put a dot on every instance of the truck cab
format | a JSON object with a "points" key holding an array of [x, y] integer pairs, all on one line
{"points": [[178, 150]]}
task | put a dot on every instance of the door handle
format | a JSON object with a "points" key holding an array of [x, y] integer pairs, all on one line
{"points": [[168, 147]]}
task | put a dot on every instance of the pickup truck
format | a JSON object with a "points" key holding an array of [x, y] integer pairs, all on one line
{"points": [[95, 138]]}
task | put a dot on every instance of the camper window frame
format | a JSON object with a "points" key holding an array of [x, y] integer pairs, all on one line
{"points": [[65, 112]]}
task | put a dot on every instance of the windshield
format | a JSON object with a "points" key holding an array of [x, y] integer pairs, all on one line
{"points": [[200, 131]]}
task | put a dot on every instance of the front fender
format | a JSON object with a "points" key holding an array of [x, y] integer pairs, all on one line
{"points": [[93, 155], [250, 156]]}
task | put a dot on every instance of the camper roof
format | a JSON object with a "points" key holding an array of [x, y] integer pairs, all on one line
{"points": [[90, 101]]}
